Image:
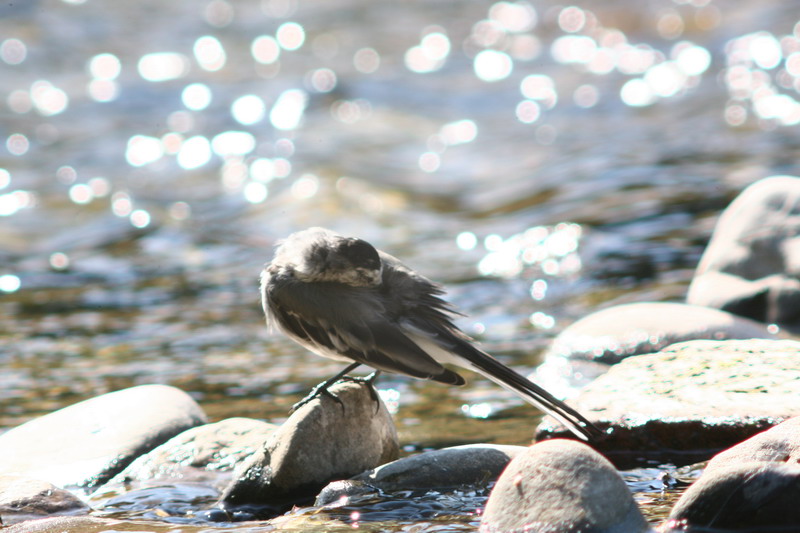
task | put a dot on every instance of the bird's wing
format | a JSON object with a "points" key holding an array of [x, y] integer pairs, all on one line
{"points": [[350, 322]]}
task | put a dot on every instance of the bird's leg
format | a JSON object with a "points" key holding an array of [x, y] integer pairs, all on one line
{"points": [[323, 387]]}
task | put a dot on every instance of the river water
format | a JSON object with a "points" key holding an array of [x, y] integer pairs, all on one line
{"points": [[543, 161]]}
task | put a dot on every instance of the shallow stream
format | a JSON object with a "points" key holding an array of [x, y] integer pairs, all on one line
{"points": [[542, 161]]}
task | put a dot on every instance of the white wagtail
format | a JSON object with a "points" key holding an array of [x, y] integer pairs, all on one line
{"points": [[343, 299]]}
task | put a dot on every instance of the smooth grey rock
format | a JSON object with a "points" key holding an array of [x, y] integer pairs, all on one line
{"points": [[471, 464], [217, 447], [780, 444], [73, 524], [86, 444], [610, 335], [25, 498], [697, 396], [322, 441], [335, 491], [565, 486], [752, 263], [744, 497]]}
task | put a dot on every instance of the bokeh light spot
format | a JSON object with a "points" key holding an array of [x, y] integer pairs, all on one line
{"points": [[105, 66], [195, 152], [17, 144], [305, 186], [492, 65], [10, 283], [13, 51], [209, 53], [290, 36], [196, 96], [163, 66], [248, 109], [466, 240], [143, 150], [366, 60], [288, 109]]}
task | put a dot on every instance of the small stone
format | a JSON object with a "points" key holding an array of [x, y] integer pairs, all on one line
{"points": [[86, 444], [24, 498], [561, 485], [457, 466], [326, 439], [336, 491]]}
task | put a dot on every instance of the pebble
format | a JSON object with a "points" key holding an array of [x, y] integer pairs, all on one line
{"points": [[24, 498]]}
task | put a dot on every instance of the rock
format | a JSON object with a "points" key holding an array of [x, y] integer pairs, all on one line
{"points": [[86, 444], [334, 492], [72, 524], [565, 486], [754, 496], [752, 263], [610, 335], [691, 399], [457, 466], [322, 441], [24, 498], [216, 447], [780, 444]]}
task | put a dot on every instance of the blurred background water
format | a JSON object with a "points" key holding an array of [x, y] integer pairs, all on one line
{"points": [[541, 160]]}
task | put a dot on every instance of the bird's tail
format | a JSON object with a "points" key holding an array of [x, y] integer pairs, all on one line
{"points": [[532, 393]]}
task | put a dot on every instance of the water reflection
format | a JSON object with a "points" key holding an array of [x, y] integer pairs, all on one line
{"points": [[542, 160]]}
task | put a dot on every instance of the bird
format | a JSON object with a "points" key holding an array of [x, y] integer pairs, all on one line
{"points": [[343, 299]]}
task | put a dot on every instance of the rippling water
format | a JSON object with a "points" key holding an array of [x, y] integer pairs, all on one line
{"points": [[543, 161]]}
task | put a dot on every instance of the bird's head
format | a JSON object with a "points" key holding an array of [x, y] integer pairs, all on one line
{"points": [[320, 255]]}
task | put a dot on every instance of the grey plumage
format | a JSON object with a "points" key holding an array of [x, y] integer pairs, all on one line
{"points": [[343, 299]]}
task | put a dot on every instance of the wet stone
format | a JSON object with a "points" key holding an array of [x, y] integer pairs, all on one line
{"points": [[469, 465], [752, 262], [610, 335], [214, 447], [72, 524], [778, 444], [691, 399], [87, 443], [322, 441], [565, 486], [755, 496], [24, 498], [753, 484]]}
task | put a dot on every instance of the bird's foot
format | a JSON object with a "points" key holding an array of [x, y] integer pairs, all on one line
{"points": [[370, 381], [323, 390], [316, 392]]}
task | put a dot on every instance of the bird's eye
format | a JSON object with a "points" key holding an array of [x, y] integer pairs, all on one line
{"points": [[360, 253]]}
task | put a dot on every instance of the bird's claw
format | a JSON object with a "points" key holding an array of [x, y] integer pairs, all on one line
{"points": [[316, 392], [323, 389]]}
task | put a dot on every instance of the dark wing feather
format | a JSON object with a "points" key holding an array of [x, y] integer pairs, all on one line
{"points": [[350, 322]]}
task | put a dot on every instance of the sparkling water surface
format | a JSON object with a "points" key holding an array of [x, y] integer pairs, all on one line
{"points": [[541, 160]]}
